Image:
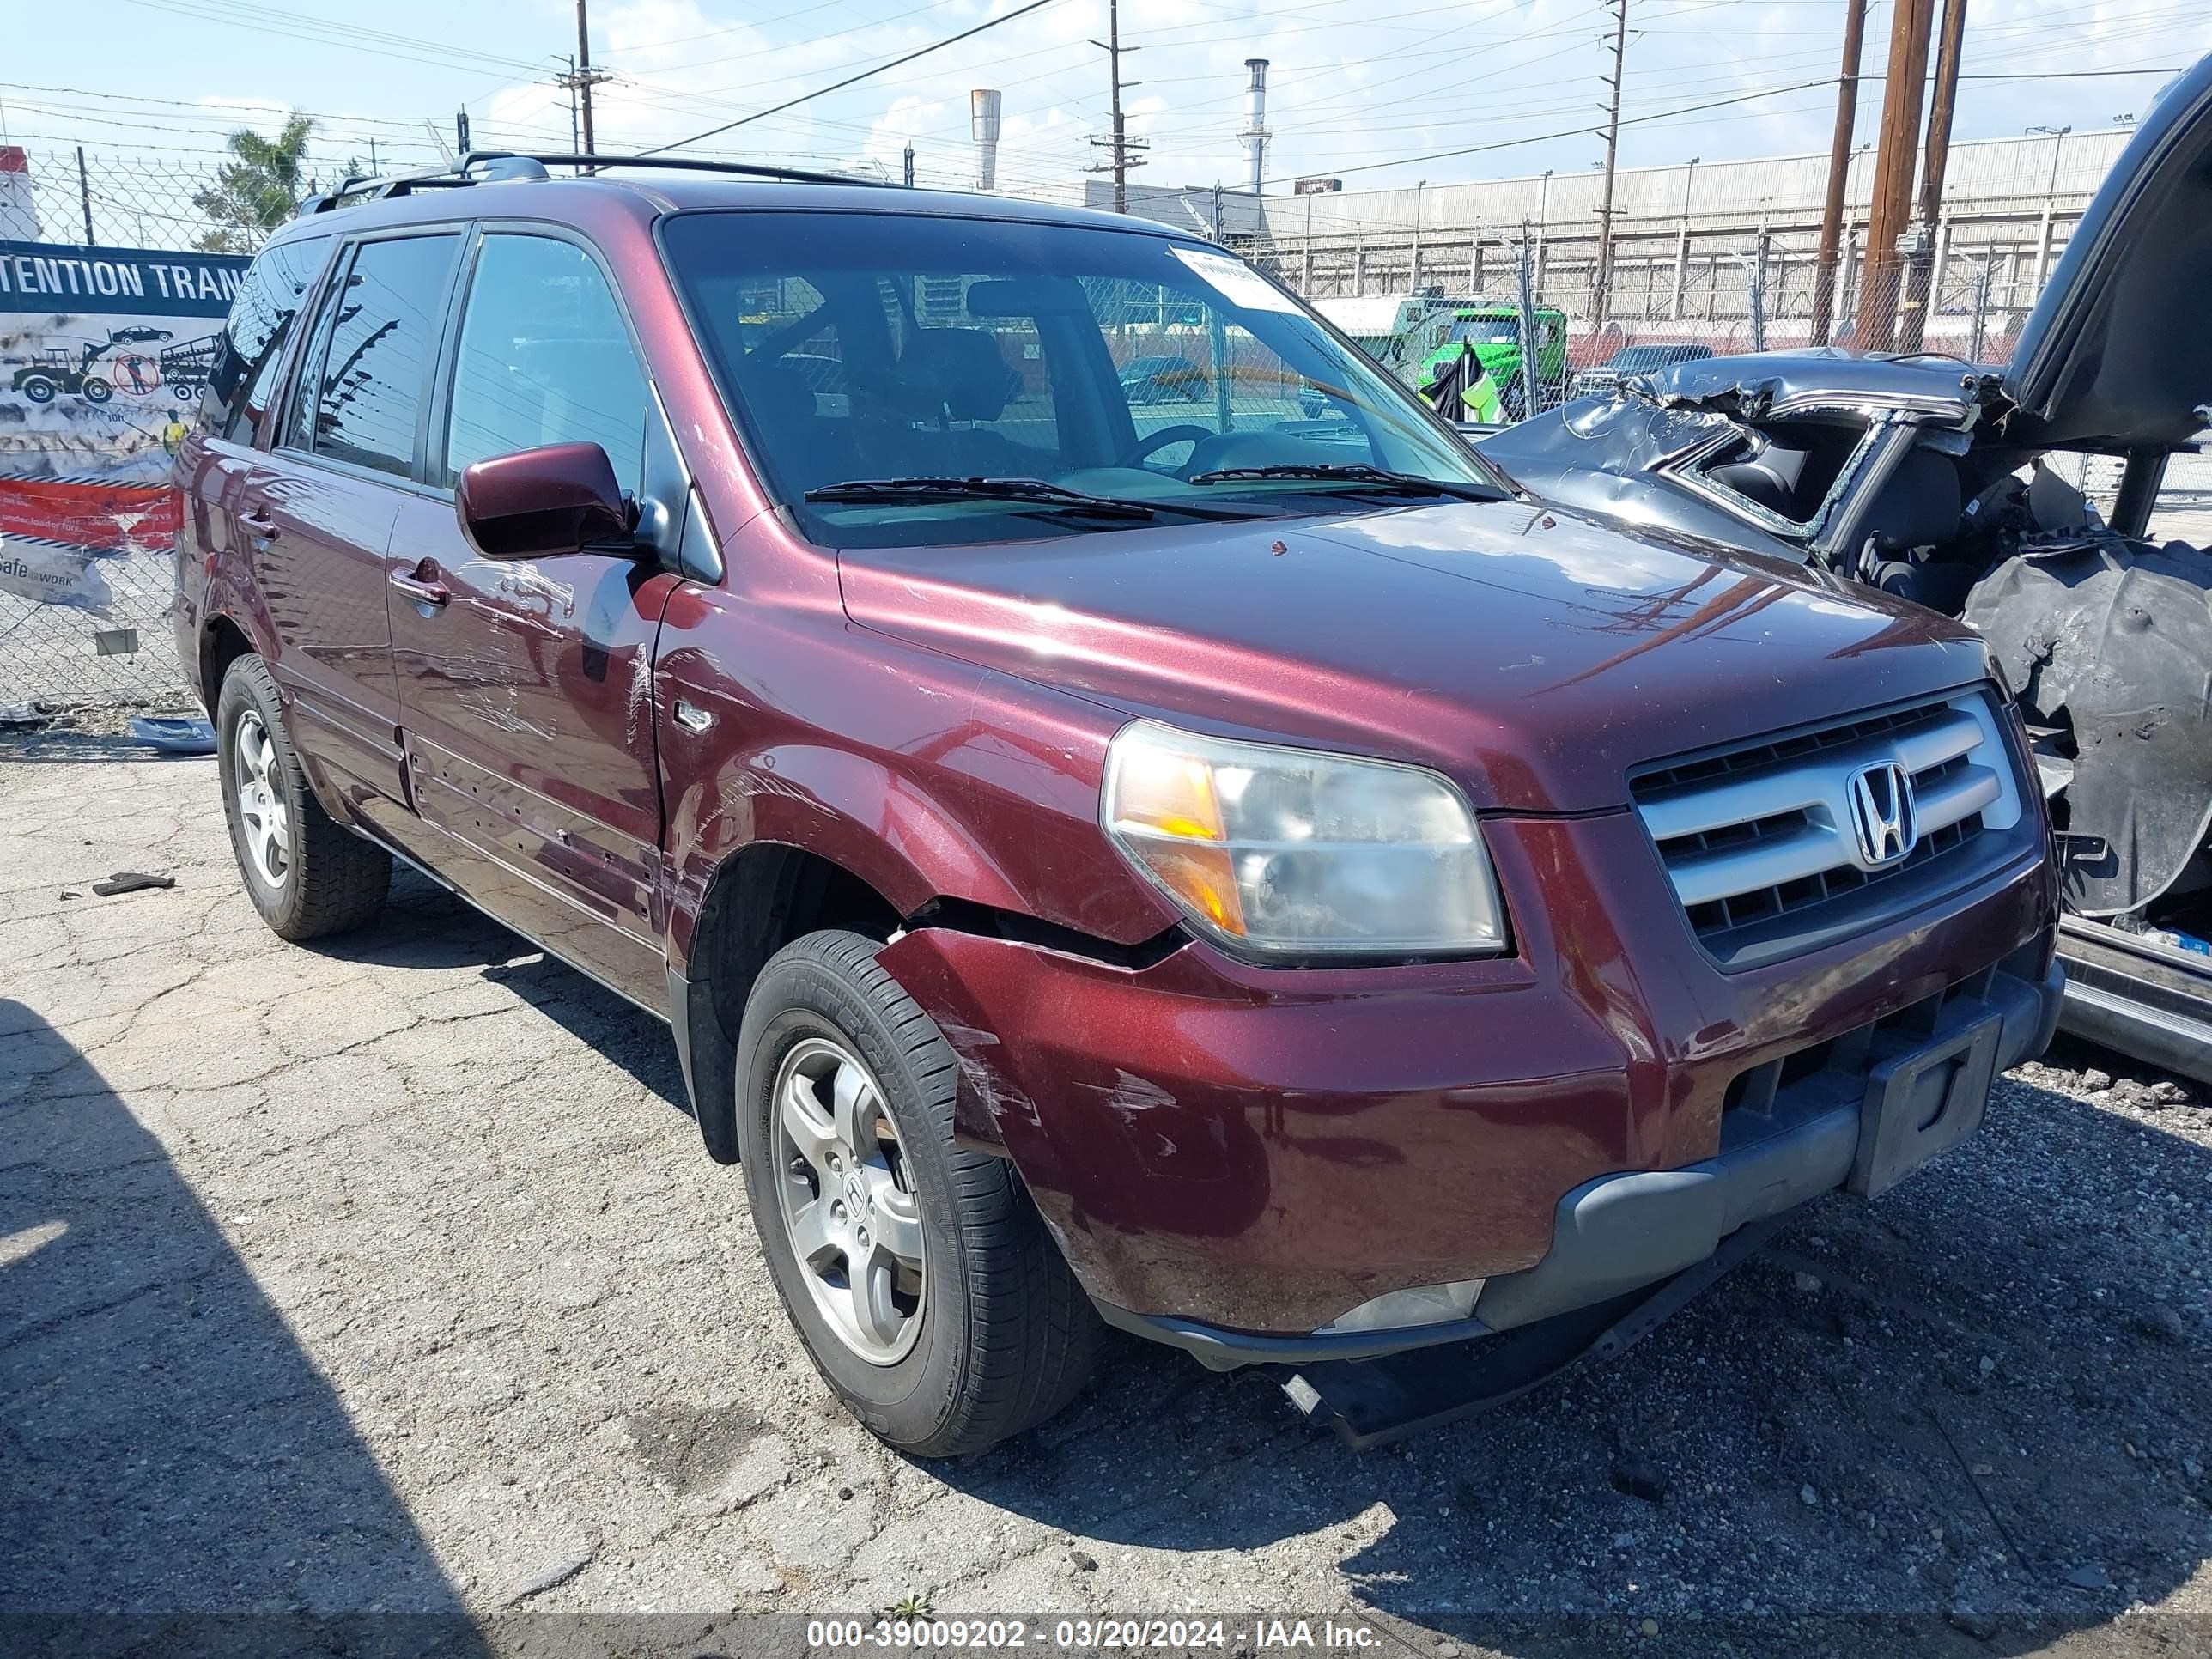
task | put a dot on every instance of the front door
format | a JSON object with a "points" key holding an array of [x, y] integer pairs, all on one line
{"points": [[526, 688], [316, 511]]}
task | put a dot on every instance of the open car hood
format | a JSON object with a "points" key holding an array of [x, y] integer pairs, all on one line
{"points": [[2117, 350]]}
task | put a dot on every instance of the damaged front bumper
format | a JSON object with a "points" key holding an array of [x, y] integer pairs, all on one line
{"points": [[1236, 1158], [1891, 1096]]}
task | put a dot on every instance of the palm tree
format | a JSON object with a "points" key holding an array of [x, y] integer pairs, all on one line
{"points": [[254, 194]]}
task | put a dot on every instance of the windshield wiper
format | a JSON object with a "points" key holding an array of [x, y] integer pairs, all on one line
{"points": [[1036, 492], [1355, 474]]}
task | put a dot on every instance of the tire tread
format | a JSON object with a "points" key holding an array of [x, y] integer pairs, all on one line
{"points": [[338, 881], [1032, 1335]]}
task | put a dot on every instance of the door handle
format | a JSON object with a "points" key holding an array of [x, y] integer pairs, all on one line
{"points": [[258, 524], [419, 590]]}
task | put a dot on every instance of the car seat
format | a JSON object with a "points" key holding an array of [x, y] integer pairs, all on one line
{"points": [[807, 450], [1768, 478], [1921, 505]]}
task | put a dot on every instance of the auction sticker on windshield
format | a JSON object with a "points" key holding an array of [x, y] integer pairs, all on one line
{"points": [[1239, 284]]}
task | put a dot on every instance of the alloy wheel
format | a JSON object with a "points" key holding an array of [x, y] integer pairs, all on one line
{"points": [[264, 820], [846, 1194]]}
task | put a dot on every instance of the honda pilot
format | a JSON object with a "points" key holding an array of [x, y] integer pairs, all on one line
{"points": [[1226, 868]]}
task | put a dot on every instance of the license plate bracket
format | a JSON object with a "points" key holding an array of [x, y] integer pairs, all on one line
{"points": [[1920, 1104]]}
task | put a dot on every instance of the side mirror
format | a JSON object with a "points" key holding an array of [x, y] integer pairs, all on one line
{"points": [[537, 503]]}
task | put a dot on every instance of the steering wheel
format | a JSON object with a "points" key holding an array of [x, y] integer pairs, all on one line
{"points": [[1185, 432]]}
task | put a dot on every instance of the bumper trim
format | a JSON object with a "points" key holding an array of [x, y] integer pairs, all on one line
{"points": [[1620, 1232], [1220, 1349]]}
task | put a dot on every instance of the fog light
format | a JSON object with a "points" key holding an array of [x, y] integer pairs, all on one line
{"points": [[1424, 1305]]}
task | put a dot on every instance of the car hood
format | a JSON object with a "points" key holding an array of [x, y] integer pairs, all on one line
{"points": [[1533, 655], [2116, 349]]}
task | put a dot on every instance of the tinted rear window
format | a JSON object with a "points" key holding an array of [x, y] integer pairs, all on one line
{"points": [[252, 339], [374, 366]]}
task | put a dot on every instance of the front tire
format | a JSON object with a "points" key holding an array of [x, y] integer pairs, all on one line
{"points": [[306, 874], [919, 1276]]}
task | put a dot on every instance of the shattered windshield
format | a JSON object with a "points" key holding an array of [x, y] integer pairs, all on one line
{"points": [[905, 380]]}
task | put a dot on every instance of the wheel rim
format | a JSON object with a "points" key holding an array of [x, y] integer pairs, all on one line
{"points": [[846, 1191], [265, 822]]}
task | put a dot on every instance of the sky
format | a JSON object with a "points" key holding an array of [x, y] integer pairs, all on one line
{"points": [[1369, 90]]}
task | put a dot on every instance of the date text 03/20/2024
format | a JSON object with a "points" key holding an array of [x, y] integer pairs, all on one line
{"points": [[1086, 1634]]}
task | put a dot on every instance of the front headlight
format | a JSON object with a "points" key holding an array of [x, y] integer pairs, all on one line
{"points": [[1290, 852]]}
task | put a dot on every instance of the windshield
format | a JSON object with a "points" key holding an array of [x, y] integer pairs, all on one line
{"points": [[1489, 330], [1120, 364]]}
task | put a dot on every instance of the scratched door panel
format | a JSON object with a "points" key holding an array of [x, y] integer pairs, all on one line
{"points": [[315, 537], [527, 698]]}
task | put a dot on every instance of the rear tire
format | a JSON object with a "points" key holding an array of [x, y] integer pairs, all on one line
{"points": [[993, 1335], [308, 875]]}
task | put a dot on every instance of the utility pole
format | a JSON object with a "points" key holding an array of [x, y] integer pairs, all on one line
{"points": [[1895, 161], [1919, 276], [1602, 288], [1839, 173], [909, 167], [584, 71], [579, 80], [461, 131], [1117, 145]]}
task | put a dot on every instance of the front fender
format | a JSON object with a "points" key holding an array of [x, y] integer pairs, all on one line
{"points": [[924, 776], [855, 810]]}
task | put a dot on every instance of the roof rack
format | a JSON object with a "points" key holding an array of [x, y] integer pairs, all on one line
{"points": [[497, 166]]}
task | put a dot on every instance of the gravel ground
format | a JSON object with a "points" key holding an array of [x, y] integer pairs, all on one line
{"points": [[389, 1275]]}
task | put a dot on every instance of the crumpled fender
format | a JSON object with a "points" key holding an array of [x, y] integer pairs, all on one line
{"points": [[2116, 638]]}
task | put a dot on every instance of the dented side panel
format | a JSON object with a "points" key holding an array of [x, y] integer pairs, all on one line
{"points": [[527, 704]]}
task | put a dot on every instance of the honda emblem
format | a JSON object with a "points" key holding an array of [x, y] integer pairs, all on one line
{"points": [[1882, 814]]}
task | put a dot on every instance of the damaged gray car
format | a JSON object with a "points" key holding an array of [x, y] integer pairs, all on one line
{"points": [[1934, 479]]}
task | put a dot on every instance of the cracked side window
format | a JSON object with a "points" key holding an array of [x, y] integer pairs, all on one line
{"points": [[1786, 469]]}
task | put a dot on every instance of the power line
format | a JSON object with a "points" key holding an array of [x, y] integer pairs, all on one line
{"points": [[1576, 132], [852, 80]]}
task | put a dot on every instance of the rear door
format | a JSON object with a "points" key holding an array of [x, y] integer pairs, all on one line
{"points": [[241, 381], [316, 511], [526, 688]]}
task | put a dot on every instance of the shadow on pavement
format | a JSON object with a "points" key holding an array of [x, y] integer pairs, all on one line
{"points": [[165, 1446], [425, 926], [1980, 1398]]}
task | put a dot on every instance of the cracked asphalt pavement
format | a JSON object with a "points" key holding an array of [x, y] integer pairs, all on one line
{"points": [[389, 1274]]}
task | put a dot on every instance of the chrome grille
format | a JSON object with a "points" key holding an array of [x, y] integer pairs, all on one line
{"points": [[1755, 834]]}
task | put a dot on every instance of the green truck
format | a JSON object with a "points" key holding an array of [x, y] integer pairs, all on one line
{"points": [[1462, 355]]}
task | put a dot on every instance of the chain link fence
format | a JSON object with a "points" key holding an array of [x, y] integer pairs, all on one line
{"points": [[1724, 257], [88, 413]]}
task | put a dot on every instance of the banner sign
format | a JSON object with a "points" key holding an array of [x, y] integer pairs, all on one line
{"points": [[116, 281], [104, 352], [47, 573]]}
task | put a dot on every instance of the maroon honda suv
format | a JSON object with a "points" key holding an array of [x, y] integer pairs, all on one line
{"points": [[1224, 866]]}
